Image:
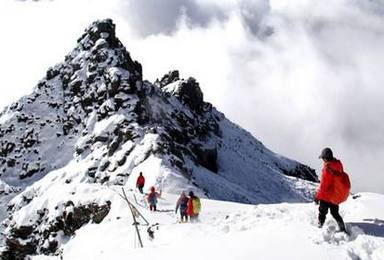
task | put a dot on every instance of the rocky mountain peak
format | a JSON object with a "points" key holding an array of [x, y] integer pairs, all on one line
{"points": [[102, 31], [99, 42], [97, 80], [93, 123]]}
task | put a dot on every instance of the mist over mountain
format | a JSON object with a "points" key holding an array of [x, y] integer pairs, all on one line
{"points": [[306, 66]]}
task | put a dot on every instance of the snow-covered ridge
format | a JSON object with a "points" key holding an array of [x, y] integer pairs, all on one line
{"points": [[93, 122], [231, 231]]}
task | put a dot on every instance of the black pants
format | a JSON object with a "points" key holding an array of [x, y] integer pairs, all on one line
{"points": [[323, 211], [183, 215], [152, 207]]}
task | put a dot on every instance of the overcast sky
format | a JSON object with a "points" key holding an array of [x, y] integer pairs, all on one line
{"points": [[299, 75]]}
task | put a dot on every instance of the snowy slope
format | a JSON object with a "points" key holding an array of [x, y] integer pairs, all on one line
{"points": [[235, 231], [94, 123]]}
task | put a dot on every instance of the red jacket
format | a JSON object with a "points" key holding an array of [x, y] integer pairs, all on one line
{"points": [[327, 190], [190, 207], [140, 181]]}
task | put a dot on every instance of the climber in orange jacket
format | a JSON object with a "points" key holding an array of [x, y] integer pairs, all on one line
{"points": [[331, 191]]}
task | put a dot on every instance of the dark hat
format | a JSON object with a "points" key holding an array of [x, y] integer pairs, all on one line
{"points": [[191, 194], [326, 153]]}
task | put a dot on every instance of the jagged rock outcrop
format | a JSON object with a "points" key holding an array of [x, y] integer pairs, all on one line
{"points": [[168, 78], [189, 92], [303, 172], [44, 236]]}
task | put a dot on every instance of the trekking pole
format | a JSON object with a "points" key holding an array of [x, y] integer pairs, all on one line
{"points": [[134, 196], [135, 223], [138, 212]]}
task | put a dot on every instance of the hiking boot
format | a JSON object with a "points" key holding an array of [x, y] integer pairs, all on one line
{"points": [[342, 227]]}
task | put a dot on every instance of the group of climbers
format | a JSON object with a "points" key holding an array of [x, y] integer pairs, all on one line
{"points": [[334, 189], [189, 207], [152, 196]]}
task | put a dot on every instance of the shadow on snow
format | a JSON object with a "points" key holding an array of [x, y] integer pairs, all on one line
{"points": [[373, 227]]}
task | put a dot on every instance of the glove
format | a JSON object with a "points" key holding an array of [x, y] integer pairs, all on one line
{"points": [[316, 201]]}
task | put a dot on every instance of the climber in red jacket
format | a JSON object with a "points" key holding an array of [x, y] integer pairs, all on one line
{"points": [[140, 182], [193, 207], [330, 193]]}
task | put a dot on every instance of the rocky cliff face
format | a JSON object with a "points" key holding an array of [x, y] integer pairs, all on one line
{"points": [[93, 122], [98, 78]]}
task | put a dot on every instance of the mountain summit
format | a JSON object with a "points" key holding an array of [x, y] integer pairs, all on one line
{"points": [[94, 124]]}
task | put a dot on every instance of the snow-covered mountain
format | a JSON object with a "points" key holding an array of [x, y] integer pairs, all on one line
{"points": [[92, 124]]}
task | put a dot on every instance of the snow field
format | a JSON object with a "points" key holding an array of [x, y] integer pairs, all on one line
{"points": [[234, 231]]}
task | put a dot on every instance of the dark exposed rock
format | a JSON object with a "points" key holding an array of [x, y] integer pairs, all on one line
{"points": [[101, 138], [103, 33], [142, 115], [22, 232], [51, 249], [168, 78], [22, 118], [92, 171], [120, 99], [122, 160], [207, 158], [104, 166], [29, 170], [104, 180], [178, 136], [28, 240], [114, 145], [79, 150], [75, 86], [52, 72], [83, 214], [67, 127], [17, 250], [104, 29], [190, 93], [303, 172], [11, 162], [6, 148]]}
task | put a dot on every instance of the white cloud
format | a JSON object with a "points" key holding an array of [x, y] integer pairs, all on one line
{"points": [[298, 76]]}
